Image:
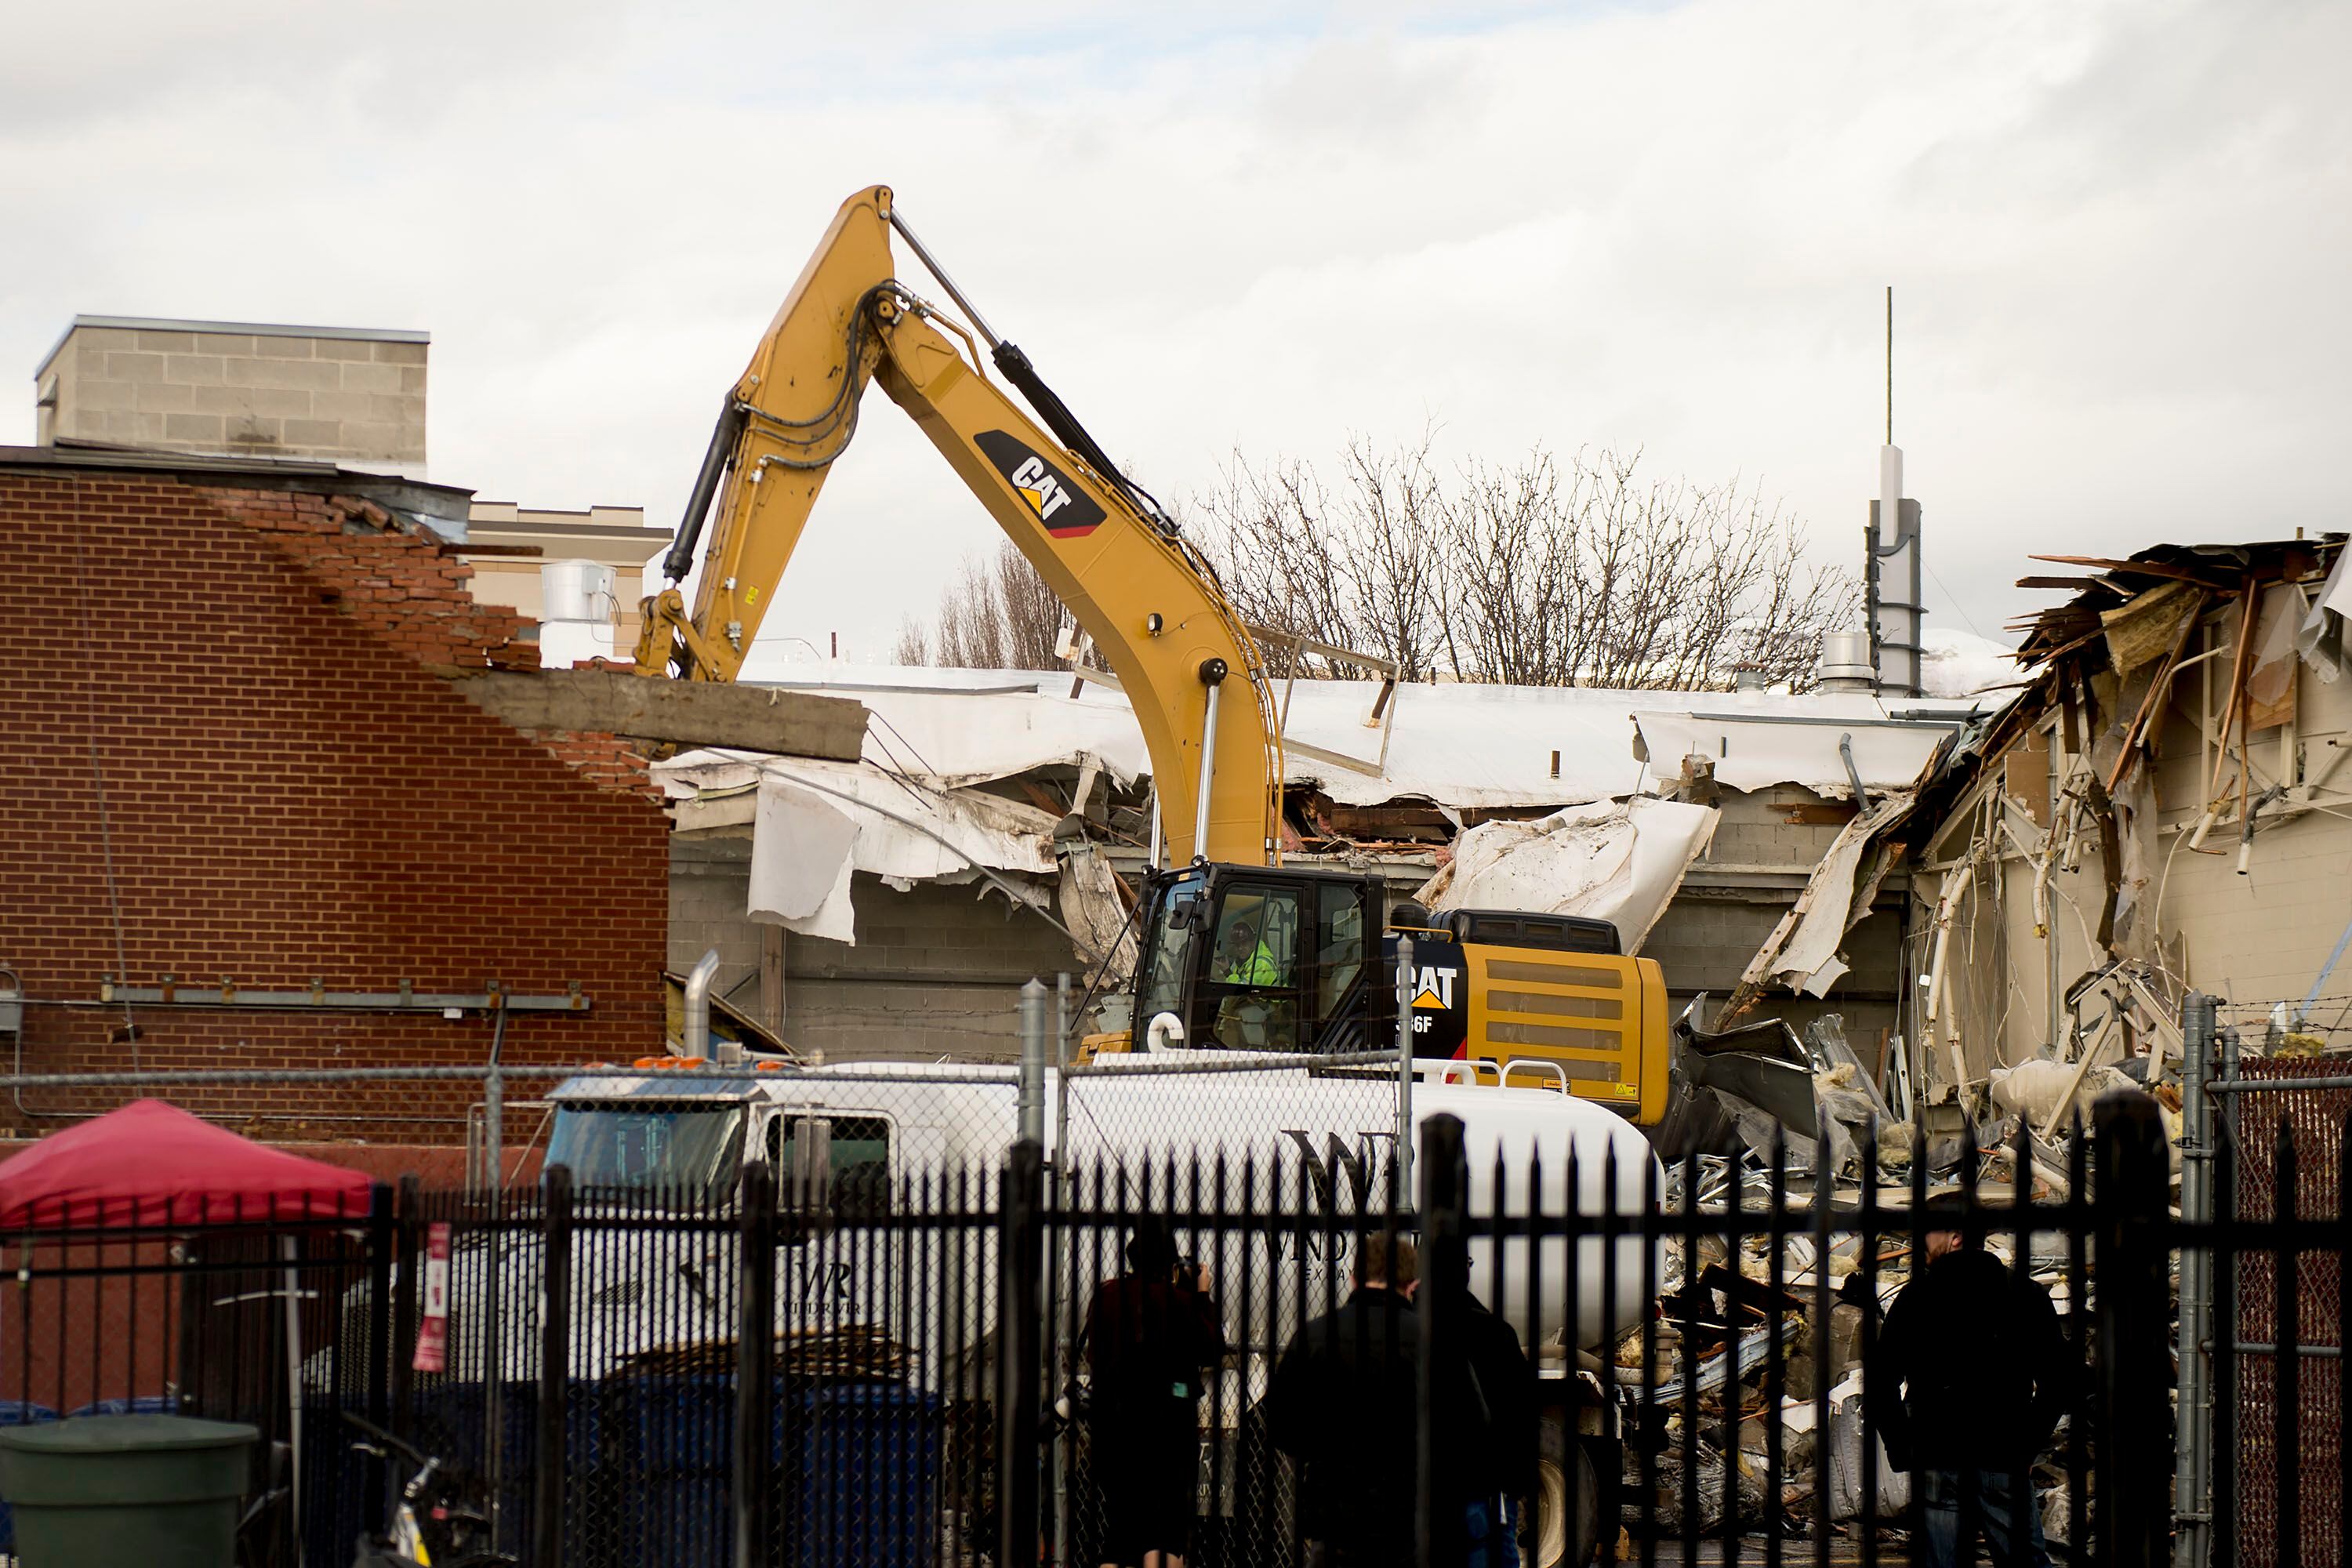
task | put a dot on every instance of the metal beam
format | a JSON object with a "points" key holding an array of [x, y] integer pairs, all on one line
{"points": [[225, 992]]}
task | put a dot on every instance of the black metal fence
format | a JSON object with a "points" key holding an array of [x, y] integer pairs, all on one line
{"points": [[912, 1370], [225, 1309]]}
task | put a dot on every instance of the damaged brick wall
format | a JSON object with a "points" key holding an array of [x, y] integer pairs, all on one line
{"points": [[408, 588], [232, 696]]}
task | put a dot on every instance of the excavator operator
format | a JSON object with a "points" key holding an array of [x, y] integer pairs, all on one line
{"points": [[1257, 1011], [1244, 960]]}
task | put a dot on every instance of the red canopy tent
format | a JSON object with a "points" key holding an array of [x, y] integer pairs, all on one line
{"points": [[152, 1164]]}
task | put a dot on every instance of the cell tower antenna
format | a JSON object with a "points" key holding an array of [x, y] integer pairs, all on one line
{"points": [[1890, 364]]}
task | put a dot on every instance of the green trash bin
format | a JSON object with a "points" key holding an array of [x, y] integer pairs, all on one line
{"points": [[156, 1492]]}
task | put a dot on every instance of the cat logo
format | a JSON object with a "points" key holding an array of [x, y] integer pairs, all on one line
{"points": [[1060, 505], [1434, 987]]}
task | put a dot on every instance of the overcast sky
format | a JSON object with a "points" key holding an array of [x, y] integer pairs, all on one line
{"points": [[2118, 235]]}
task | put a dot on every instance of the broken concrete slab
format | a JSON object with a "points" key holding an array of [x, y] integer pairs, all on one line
{"points": [[676, 712]]}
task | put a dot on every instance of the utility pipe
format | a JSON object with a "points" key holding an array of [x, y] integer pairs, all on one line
{"points": [[1945, 907], [1032, 1095], [697, 1031], [494, 1104]]}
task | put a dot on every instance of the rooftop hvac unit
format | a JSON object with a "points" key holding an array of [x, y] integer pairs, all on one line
{"points": [[576, 614], [1846, 662], [576, 591]]}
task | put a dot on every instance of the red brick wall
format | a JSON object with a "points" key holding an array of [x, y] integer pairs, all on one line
{"points": [[292, 792]]}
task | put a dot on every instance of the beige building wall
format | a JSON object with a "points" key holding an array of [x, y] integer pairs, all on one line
{"points": [[507, 574], [350, 395], [2248, 939], [2262, 936]]}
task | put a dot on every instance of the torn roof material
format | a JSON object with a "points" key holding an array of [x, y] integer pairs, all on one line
{"points": [[1458, 745]]}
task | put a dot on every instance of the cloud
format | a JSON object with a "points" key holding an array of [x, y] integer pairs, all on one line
{"points": [[2114, 230]]}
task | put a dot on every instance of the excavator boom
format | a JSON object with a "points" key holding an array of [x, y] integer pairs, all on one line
{"points": [[1179, 650]]}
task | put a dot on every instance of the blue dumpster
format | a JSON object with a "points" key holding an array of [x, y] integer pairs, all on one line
{"points": [[862, 1486], [854, 1467]]}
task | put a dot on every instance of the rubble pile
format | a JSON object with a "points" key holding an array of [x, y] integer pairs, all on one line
{"points": [[1717, 1317], [1714, 1336]]}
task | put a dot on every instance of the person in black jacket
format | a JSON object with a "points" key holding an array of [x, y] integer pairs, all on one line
{"points": [[1152, 1333], [1501, 1464], [1965, 1383], [1342, 1404]]}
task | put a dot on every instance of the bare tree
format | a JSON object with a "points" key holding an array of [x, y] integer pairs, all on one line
{"points": [[999, 613], [1541, 571], [1535, 572], [1355, 568]]}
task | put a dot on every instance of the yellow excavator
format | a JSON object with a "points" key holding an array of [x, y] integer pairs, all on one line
{"points": [[1238, 950]]}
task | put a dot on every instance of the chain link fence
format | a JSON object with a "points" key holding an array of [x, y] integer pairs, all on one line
{"points": [[2269, 1407]]}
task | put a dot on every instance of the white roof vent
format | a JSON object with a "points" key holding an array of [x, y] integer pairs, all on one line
{"points": [[1846, 662]]}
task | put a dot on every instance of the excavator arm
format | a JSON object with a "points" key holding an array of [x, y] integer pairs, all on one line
{"points": [[1183, 656]]}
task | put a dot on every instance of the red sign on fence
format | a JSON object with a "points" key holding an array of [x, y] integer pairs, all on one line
{"points": [[433, 1333]]}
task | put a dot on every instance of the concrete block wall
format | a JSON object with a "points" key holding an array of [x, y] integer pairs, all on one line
{"points": [[1713, 927], [349, 395], [1704, 942], [245, 752], [1757, 828], [937, 970]]}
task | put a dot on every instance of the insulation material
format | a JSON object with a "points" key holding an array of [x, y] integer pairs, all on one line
{"points": [[1617, 862], [1890, 1489], [1803, 950], [2144, 629], [902, 833], [2270, 685], [959, 728], [2040, 1089], [1092, 908], [2320, 639], [801, 862]]}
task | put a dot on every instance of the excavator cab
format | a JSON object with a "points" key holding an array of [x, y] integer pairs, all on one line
{"points": [[1279, 958], [1255, 958]]}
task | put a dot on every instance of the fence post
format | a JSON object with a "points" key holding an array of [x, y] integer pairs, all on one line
{"points": [[1065, 1196], [755, 1364], [1439, 1541], [2134, 1174], [494, 1095], [381, 1241], [554, 1366], [2193, 1447], [1032, 1061], [1404, 974], [1020, 1380], [409, 1232]]}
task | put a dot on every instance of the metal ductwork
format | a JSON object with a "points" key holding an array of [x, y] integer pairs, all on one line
{"points": [[697, 1043]]}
